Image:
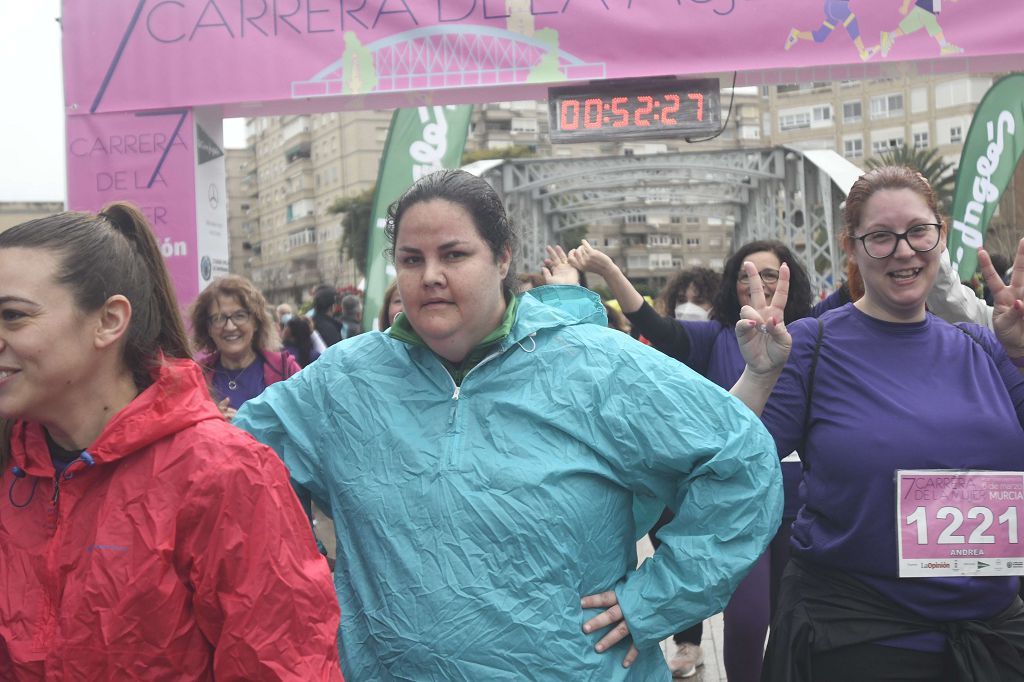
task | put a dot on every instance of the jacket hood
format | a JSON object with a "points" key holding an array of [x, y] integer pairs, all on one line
{"points": [[552, 306], [177, 399]]}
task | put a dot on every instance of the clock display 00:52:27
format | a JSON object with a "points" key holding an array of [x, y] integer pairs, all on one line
{"points": [[634, 108], [625, 112]]}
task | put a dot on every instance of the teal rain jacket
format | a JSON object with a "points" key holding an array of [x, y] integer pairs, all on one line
{"points": [[471, 520]]}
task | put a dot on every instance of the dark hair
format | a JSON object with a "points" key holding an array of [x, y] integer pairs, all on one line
{"points": [[726, 308], [264, 336], [383, 322], [479, 200], [885, 177], [299, 335], [324, 298], [705, 280], [111, 253]]}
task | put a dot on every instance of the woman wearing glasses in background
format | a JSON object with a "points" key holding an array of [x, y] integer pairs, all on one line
{"points": [[895, 388], [239, 342]]}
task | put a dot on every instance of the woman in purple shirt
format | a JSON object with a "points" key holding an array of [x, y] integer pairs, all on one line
{"points": [[882, 385]]}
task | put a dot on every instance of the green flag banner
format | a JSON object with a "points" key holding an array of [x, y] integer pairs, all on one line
{"points": [[420, 141], [989, 158]]}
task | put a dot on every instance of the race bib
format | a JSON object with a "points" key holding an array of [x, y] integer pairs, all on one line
{"points": [[959, 523]]}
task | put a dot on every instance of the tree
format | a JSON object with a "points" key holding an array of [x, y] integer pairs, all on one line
{"points": [[927, 162], [511, 152], [355, 235]]}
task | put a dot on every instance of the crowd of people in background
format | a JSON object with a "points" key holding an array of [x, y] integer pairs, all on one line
{"points": [[490, 448]]}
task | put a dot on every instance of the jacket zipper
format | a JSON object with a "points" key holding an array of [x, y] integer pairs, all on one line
{"points": [[453, 420]]}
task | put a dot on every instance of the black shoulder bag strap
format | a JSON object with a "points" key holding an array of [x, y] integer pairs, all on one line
{"points": [[804, 462]]}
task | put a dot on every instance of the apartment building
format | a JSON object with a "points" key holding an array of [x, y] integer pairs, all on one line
{"points": [[862, 119], [281, 187]]}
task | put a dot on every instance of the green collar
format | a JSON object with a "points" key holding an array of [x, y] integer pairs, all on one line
{"points": [[403, 331]]}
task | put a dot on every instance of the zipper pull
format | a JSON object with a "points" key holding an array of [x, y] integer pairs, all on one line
{"points": [[455, 396]]}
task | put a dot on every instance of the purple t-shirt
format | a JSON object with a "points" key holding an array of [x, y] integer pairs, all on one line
{"points": [[890, 396], [714, 352], [239, 385]]}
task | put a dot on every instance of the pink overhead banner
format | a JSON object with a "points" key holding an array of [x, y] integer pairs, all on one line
{"points": [[253, 56]]}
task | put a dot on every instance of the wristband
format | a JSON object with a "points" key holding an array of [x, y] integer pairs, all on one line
{"points": [[1019, 362]]}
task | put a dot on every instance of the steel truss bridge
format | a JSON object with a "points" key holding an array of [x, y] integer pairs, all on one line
{"points": [[779, 193]]}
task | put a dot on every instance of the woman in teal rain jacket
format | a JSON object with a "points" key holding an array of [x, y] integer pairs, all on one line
{"points": [[480, 460]]}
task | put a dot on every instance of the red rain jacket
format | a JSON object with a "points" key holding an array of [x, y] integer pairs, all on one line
{"points": [[172, 549]]}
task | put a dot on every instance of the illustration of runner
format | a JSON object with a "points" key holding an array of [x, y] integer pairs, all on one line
{"points": [[836, 12], [924, 14]]}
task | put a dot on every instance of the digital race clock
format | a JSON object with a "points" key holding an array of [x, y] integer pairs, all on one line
{"points": [[663, 107]]}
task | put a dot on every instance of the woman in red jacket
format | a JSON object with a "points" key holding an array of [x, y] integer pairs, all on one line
{"points": [[128, 505]]}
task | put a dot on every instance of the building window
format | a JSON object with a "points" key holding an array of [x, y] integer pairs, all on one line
{"points": [[887, 144], [921, 140], [852, 112], [956, 134], [693, 241], [822, 114], [853, 148], [885, 106], [796, 120], [660, 261], [302, 237], [637, 218]]}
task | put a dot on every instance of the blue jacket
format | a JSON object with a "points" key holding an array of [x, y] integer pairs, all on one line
{"points": [[470, 521]]}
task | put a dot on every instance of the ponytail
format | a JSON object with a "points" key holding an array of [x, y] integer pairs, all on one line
{"points": [[160, 324]]}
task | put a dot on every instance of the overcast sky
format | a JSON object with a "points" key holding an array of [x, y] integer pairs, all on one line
{"points": [[32, 108]]}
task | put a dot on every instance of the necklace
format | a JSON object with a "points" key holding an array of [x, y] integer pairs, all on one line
{"points": [[233, 375]]}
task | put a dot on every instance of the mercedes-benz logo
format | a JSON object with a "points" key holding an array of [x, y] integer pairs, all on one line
{"points": [[213, 195]]}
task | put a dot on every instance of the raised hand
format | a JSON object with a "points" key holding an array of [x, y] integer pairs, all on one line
{"points": [[761, 330], [556, 268], [1007, 302], [588, 259]]}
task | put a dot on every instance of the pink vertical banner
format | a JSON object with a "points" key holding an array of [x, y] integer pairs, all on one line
{"points": [[147, 158]]}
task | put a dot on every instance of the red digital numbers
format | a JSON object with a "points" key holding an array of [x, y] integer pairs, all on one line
{"points": [[699, 98], [638, 111], [671, 107], [570, 107], [618, 110], [645, 108], [592, 112]]}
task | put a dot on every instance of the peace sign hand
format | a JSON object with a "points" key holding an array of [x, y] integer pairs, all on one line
{"points": [[761, 331], [1007, 302]]}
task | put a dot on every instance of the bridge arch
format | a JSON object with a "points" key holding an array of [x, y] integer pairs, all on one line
{"points": [[776, 193]]}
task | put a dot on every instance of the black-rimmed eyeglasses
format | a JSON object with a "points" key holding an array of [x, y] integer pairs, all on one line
{"points": [[238, 318], [882, 243], [768, 276]]}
